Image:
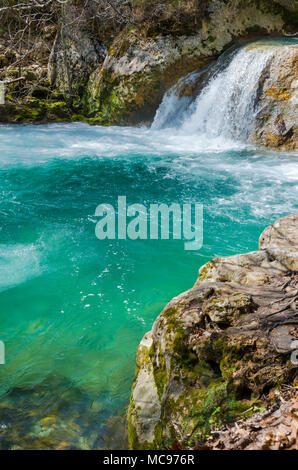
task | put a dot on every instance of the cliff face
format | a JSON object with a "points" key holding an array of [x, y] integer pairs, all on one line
{"points": [[75, 54], [112, 64], [220, 351]]}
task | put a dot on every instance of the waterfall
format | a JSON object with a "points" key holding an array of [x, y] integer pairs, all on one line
{"points": [[225, 107]]}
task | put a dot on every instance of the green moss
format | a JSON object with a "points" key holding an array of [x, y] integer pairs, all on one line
{"points": [[115, 99], [159, 371], [207, 409], [209, 399], [199, 411], [36, 110], [207, 396], [204, 271], [180, 351], [133, 442], [231, 355], [158, 436]]}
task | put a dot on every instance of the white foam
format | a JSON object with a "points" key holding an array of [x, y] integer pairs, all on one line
{"points": [[18, 264]]}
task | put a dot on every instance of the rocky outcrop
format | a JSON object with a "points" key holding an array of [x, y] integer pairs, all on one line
{"points": [[128, 88], [282, 233], [275, 123], [217, 351], [140, 67]]}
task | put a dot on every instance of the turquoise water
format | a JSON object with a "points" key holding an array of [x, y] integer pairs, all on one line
{"points": [[74, 308]]}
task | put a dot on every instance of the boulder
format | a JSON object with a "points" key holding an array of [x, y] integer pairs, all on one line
{"points": [[275, 123], [220, 349], [252, 268], [283, 232]]}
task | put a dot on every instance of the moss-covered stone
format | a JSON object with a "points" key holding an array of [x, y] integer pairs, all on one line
{"points": [[211, 356], [227, 309], [33, 109]]}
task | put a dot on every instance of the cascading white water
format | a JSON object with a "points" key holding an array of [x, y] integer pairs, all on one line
{"points": [[226, 106]]}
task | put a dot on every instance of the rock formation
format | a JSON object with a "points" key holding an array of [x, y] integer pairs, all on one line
{"points": [[139, 68], [75, 54], [111, 63], [221, 350], [276, 123]]}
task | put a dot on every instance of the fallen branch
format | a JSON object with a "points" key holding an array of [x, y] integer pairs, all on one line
{"points": [[8, 82]]}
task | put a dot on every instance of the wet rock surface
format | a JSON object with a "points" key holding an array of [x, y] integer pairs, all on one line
{"points": [[275, 124], [31, 417], [219, 350]]}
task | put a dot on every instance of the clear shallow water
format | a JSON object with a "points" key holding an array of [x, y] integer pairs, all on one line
{"points": [[73, 308]]}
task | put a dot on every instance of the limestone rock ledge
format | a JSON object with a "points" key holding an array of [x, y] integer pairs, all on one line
{"points": [[220, 350]]}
